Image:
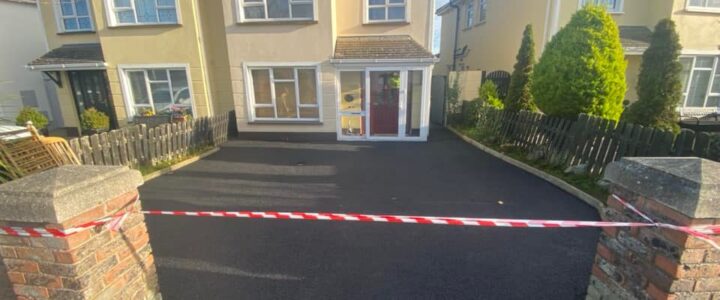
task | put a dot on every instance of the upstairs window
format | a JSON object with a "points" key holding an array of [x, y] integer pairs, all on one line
{"points": [[276, 10], [142, 12], [74, 16], [482, 11], [707, 5], [612, 6], [470, 14], [386, 11]]}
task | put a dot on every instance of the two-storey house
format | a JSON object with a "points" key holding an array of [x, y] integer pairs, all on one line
{"points": [[486, 34], [356, 69], [132, 57]]}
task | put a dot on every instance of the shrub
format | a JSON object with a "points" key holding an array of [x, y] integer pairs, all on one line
{"points": [[582, 69], [92, 119], [28, 113], [519, 96], [470, 113], [488, 95], [659, 87]]}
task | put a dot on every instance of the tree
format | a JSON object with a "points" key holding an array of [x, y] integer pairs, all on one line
{"points": [[659, 86], [582, 69], [519, 95], [488, 95]]}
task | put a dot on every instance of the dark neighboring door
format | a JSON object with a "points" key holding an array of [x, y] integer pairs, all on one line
{"points": [[90, 89], [384, 100]]}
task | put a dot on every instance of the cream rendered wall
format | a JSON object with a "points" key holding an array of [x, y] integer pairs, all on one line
{"points": [[286, 42], [349, 16], [216, 53], [23, 44], [447, 43], [493, 45], [699, 31]]}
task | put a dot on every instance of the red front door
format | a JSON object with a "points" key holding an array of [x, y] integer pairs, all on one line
{"points": [[384, 100]]}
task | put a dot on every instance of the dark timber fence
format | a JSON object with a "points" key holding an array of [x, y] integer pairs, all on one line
{"points": [[137, 145], [590, 141]]}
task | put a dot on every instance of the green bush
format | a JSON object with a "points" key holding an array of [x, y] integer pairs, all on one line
{"points": [[28, 113], [659, 87], [92, 119], [519, 96], [582, 69], [488, 95], [470, 113]]}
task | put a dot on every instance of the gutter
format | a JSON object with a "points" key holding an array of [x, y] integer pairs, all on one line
{"points": [[383, 60], [63, 67]]}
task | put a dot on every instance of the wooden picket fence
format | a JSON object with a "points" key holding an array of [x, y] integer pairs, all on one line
{"points": [[137, 145], [589, 141]]}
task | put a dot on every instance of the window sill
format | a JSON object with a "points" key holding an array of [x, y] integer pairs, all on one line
{"points": [[276, 22], [371, 23], [480, 23], [76, 32], [119, 26], [283, 122], [703, 10]]}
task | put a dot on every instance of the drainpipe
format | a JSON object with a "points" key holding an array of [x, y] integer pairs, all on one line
{"points": [[457, 32]]}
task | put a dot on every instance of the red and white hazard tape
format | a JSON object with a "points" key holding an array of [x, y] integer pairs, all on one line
{"points": [[701, 232]]}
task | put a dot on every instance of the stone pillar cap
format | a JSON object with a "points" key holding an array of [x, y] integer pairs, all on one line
{"points": [[690, 185], [59, 194]]}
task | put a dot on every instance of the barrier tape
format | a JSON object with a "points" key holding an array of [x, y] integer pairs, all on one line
{"points": [[114, 222]]}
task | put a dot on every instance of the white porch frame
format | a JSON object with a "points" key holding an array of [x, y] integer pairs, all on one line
{"points": [[402, 109]]}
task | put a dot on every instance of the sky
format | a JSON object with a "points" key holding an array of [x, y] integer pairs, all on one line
{"points": [[438, 22]]}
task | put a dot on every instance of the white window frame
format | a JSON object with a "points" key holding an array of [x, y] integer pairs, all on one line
{"points": [[481, 11], [126, 87], [59, 18], [240, 12], [250, 91], [110, 11], [689, 7], [367, 7], [714, 70], [469, 14], [619, 10]]}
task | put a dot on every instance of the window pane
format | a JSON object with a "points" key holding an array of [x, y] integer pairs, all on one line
{"points": [[698, 88], [352, 125], [167, 15], [352, 86], [716, 81], [310, 112], [181, 90], [283, 73], [377, 13], [166, 2], [398, 13], [713, 101], [66, 7], [138, 87], [158, 74], [70, 24], [278, 9], [146, 11], [704, 62], [302, 11], [81, 8], [714, 3], [285, 100], [308, 86], [122, 3], [264, 112], [261, 86], [376, 2], [686, 68], [84, 23], [254, 12], [397, 1], [126, 16]]}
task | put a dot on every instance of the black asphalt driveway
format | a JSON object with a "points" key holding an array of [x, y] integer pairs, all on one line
{"points": [[214, 258]]}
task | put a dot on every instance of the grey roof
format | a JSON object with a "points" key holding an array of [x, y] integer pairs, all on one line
{"points": [[380, 47], [71, 54], [635, 38]]}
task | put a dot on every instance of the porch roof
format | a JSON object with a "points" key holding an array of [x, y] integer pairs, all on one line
{"points": [[70, 57], [380, 48], [635, 39]]}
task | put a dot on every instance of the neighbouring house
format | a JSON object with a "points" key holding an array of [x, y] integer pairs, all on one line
{"points": [[130, 58], [487, 35], [354, 69], [23, 40]]}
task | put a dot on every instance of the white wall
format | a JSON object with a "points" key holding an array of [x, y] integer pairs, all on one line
{"points": [[21, 40]]}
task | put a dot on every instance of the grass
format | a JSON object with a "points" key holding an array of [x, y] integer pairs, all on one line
{"points": [[587, 184], [145, 169]]}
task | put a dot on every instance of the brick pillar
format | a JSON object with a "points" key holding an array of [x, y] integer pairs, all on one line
{"points": [[652, 263], [94, 264]]}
